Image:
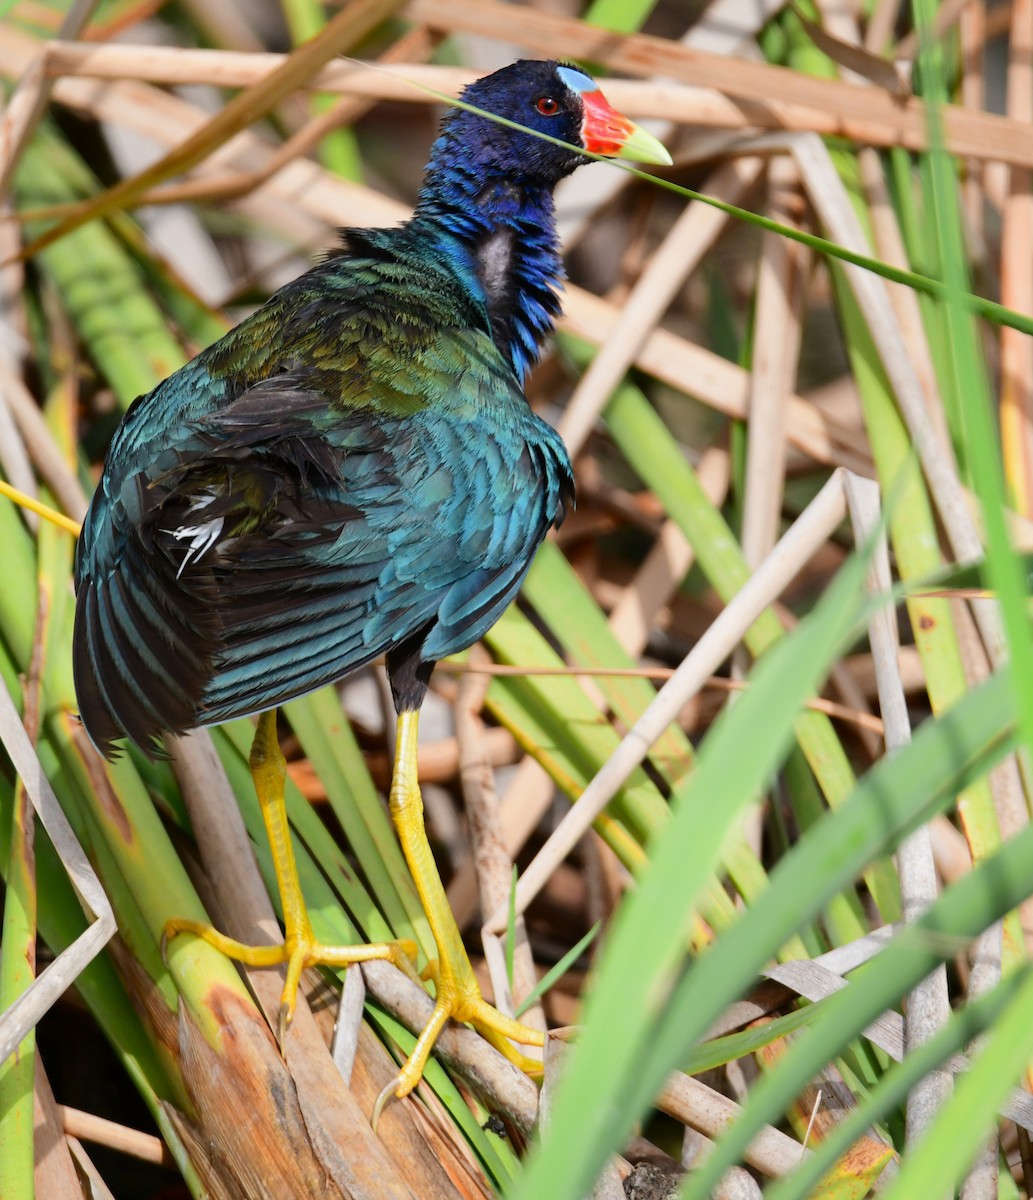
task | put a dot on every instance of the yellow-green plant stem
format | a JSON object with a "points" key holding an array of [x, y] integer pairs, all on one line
{"points": [[97, 281], [651, 450], [980, 434], [642, 987], [338, 150], [61, 921], [621, 16], [19, 934], [580, 626], [18, 939], [915, 542], [576, 739], [912, 525], [17, 959], [144, 878], [18, 597]]}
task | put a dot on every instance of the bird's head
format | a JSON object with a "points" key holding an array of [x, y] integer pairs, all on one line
{"points": [[551, 98]]}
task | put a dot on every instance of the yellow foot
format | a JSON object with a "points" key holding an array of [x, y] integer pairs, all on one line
{"points": [[299, 951], [460, 1000]]}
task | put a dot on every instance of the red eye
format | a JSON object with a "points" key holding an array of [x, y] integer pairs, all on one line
{"points": [[547, 106]]}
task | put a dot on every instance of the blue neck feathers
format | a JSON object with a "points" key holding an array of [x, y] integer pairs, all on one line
{"points": [[500, 231]]}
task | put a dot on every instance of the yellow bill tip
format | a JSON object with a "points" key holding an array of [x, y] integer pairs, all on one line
{"points": [[641, 146]]}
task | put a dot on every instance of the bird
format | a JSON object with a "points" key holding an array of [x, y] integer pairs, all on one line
{"points": [[351, 473]]}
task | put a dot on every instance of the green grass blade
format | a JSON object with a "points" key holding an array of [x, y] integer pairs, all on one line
{"points": [[559, 969], [656, 457], [97, 281], [580, 626], [614, 1071], [940, 1159], [893, 1089], [894, 798], [969, 374], [17, 951]]}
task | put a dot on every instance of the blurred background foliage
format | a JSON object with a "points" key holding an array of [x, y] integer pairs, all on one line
{"points": [[856, 307]]}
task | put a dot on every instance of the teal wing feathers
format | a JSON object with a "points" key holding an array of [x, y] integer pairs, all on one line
{"points": [[313, 490]]}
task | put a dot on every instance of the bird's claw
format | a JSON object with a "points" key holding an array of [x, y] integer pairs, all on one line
{"points": [[465, 1004], [405, 958], [384, 1097], [283, 1022]]}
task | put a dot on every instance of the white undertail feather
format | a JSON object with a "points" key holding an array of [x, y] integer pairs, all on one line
{"points": [[203, 535]]}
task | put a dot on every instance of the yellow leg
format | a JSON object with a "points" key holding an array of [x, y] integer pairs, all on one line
{"points": [[458, 993], [300, 948]]}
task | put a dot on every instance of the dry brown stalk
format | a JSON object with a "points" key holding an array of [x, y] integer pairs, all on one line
{"points": [[862, 114], [55, 1173], [354, 21], [88, 1127], [756, 95], [323, 1117]]}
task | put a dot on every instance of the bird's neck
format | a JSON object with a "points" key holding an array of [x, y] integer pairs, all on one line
{"points": [[501, 234]]}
